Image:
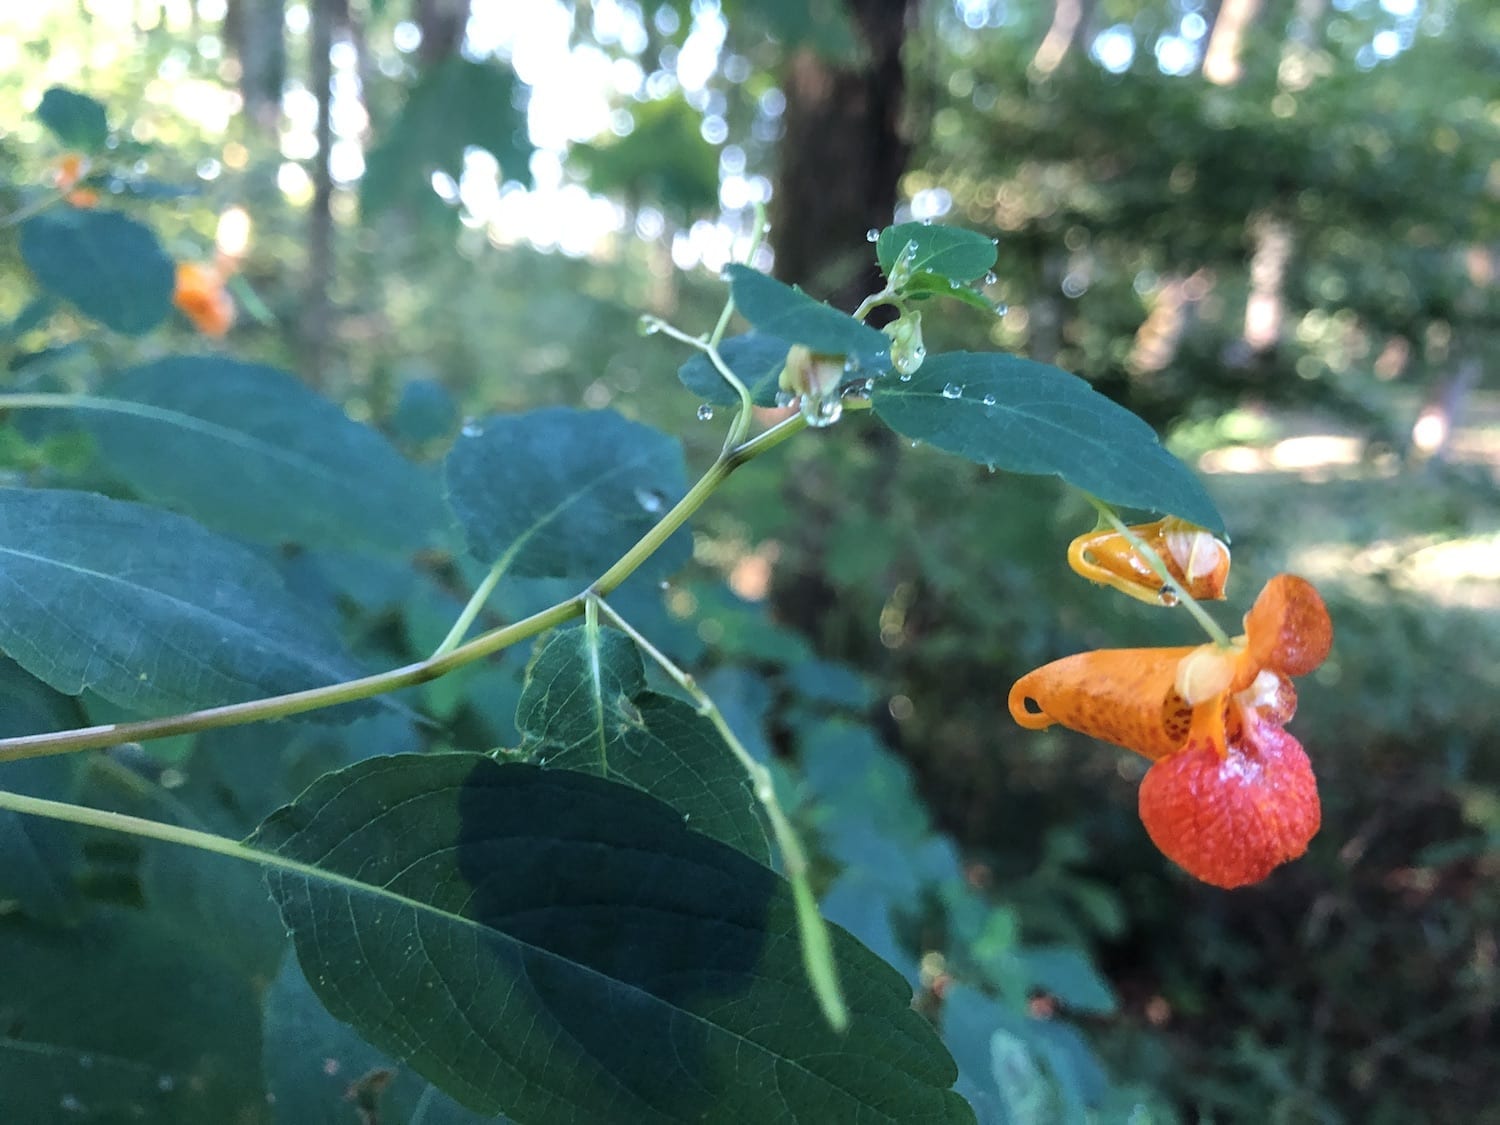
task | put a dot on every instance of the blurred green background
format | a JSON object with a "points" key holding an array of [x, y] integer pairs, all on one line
{"points": [[1271, 227]]}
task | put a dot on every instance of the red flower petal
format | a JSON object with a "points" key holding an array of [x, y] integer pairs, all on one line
{"points": [[1230, 820]]}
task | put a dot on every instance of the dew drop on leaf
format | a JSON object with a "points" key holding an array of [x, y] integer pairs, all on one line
{"points": [[705, 412], [472, 428], [785, 399], [989, 400], [953, 390], [991, 277], [650, 499]]}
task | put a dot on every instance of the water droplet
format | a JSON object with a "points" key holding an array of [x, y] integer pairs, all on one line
{"points": [[872, 235], [953, 390], [1001, 309], [70, 1103], [906, 376], [166, 1083], [664, 585], [990, 466], [991, 277], [927, 222], [994, 242], [851, 364], [988, 400], [650, 499], [915, 443], [472, 428], [705, 412], [822, 412], [648, 326], [785, 399]]}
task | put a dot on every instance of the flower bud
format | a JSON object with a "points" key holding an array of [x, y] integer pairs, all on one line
{"points": [[907, 349]]}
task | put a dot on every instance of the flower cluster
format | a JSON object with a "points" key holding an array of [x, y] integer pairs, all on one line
{"points": [[1230, 795]]}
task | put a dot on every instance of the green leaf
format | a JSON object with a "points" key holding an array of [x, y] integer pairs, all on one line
{"points": [[121, 1020], [585, 707], [952, 253], [270, 459], [75, 119], [1026, 417], [925, 285], [554, 946], [790, 314], [1070, 976], [454, 105], [110, 267], [36, 856], [755, 358], [663, 159], [568, 491], [312, 1062], [148, 609]]}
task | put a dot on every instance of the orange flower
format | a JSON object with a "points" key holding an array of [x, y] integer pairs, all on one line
{"points": [[202, 298], [69, 171], [1230, 794], [1193, 556]]}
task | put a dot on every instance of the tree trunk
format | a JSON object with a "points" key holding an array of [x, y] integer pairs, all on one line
{"points": [[443, 23], [317, 314], [842, 156], [256, 33]]}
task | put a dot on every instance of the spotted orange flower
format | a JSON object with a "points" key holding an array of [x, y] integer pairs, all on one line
{"points": [[69, 171], [202, 298], [1195, 557], [1230, 795]]}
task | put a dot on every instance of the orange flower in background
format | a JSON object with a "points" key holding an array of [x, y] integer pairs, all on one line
{"points": [[1195, 557], [202, 298], [1230, 795], [69, 171]]}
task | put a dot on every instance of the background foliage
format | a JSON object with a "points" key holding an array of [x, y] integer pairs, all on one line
{"points": [[1281, 252]]}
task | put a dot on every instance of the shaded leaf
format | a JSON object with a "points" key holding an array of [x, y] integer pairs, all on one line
{"points": [[565, 948], [75, 119], [755, 358], [925, 285], [270, 459], [1026, 417], [36, 856], [1070, 976], [148, 609], [585, 707], [950, 253], [568, 491], [108, 266], [120, 1021], [790, 314], [313, 1064]]}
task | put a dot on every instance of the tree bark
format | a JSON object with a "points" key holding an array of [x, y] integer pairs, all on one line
{"points": [[443, 23], [841, 156], [256, 33]]}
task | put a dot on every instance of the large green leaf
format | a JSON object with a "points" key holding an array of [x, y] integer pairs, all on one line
{"points": [[121, 1021], [148, 609], [585, 707], [568, 491], [455, 105], [109, 266], [75, 119], [1026, 417], [755, 358], [270, 459], [555, 946], [316, 1067], [36, 856], [951, 253], [790, 314]]}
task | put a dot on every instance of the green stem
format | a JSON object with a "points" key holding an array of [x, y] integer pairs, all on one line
{"points": [[741, 424], [874, 301], [817, 950], [476, 603], [21, 214], [298, 702], [1154, 561]]}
